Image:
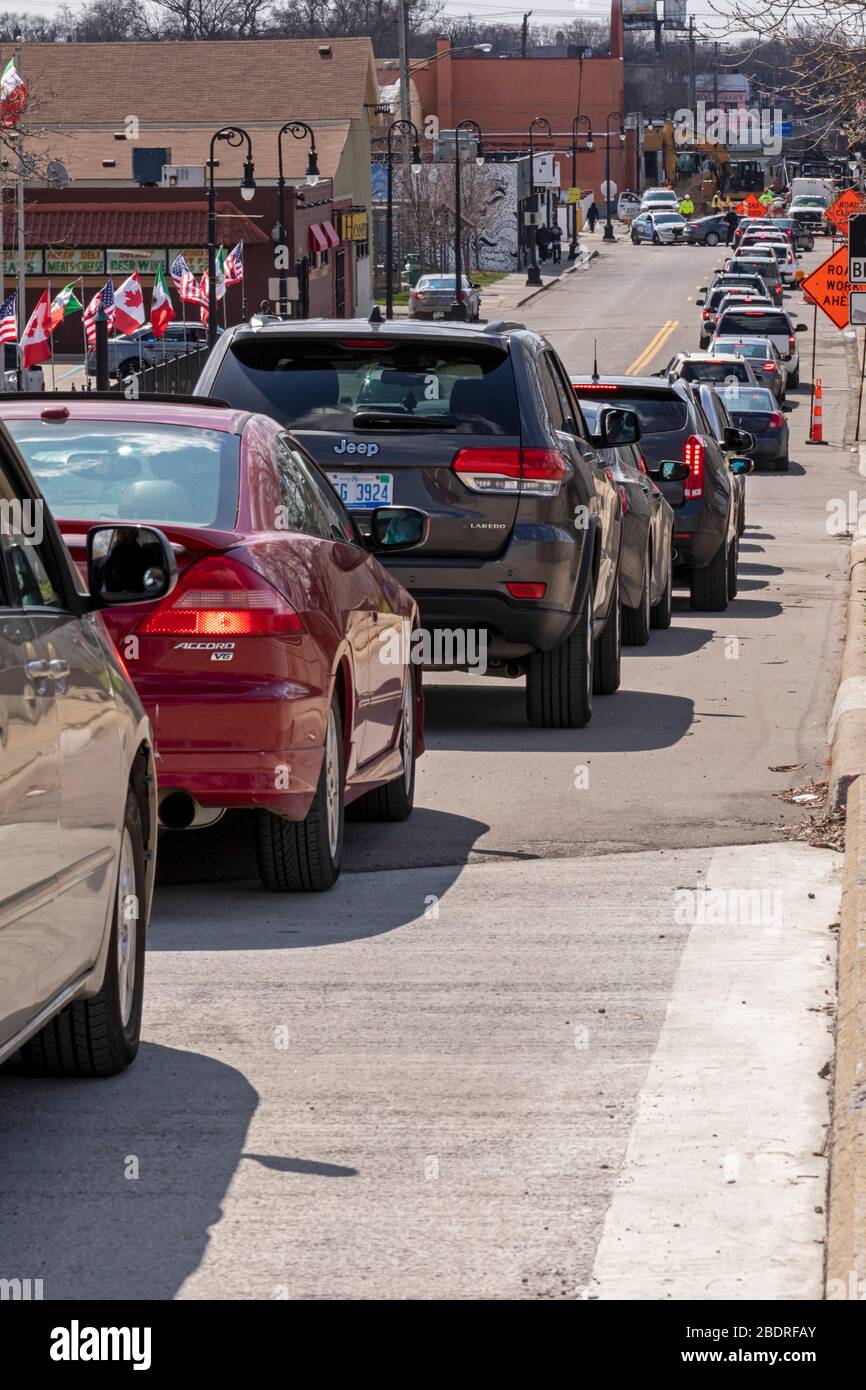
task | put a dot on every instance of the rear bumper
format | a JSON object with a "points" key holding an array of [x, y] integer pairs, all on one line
{"points": [[505, 622], [279, 780], [694, 543]]}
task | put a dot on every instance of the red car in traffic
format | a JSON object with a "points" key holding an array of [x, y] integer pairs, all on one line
{"points": [[277, 674]]}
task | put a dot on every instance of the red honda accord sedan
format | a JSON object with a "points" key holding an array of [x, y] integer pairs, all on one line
{"points": [[277, 674]]}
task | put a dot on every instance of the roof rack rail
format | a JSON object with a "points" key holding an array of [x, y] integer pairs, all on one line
{"points": [[164, 397], [501, 326]]}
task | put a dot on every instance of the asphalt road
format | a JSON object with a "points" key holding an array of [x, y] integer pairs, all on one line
{"points": [[511, 1055]]}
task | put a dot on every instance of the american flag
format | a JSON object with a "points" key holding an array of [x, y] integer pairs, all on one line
{"points": [[234, 266], [187, 286], [105, 296], [8, 322]]}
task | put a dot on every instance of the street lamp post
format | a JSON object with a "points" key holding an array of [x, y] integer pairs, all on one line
{"points": [[300, 130], [533, 276], [611, 116], [233, 135], [403, 128], [458, 310], [575, 131]]}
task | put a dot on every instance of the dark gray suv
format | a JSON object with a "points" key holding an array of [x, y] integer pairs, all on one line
{"points": [[478, 427]]}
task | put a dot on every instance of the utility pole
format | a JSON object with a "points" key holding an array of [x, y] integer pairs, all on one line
{"points": [[22, 303], [524, 33], [693, 104], [405, 92], [716, 74]]}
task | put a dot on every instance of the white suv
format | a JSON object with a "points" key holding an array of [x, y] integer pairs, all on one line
{"points": [[765, 322], [659, 200]]}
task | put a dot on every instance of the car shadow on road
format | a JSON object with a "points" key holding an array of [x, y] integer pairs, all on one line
{"points": [[675, 640], [110, 1188], [748, 568]]}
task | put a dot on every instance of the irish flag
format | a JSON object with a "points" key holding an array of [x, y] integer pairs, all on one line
{"points": [[13, 95], [36, 340], [62, 305], [161, 311]]}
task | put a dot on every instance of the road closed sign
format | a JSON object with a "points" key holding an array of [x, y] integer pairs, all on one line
{"points": [[828, 287]]}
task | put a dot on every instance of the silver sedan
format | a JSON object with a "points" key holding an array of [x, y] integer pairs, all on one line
{"points": [[433, 296]]}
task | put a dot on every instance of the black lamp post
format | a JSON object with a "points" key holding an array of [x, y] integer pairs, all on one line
{"points": [[232, 135], [575, 131], [533, 276], [300, 130], [405, 128], [611, 116], [458, 310]]}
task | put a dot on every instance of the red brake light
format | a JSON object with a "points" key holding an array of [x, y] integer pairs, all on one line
{"points": [[694, 456], [581, 386], [219, 597], [792, 342], [539, 472], [776, 420], [526, 590], [769, 366]]}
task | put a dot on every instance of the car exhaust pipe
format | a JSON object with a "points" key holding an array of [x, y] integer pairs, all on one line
{"points": [[177, 811], [513, 670]]}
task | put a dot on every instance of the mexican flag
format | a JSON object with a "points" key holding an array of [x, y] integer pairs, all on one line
{"points": [[129, 305], [13, 95], [36, 340], [62, 305], [161, 311], [220, 274]]}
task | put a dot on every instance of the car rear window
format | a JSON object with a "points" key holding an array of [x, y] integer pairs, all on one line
{"points": [[319, 383], [744, 349], [715, 371], [103, 470], [756, 401], [659, 413], [766, 267], [754, 321]]}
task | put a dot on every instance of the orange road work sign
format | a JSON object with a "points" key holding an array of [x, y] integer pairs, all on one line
{"points": [[751, 207], [839, 212], [828, 287]]}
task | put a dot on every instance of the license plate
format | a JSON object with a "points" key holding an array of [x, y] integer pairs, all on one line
{"points": [[363, 490]]}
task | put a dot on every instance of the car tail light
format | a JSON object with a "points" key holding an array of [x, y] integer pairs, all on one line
{"points": [[792, 342], [526, 590], [219, 597], [694, 455], [538, 472], [464, 295], [769, 366], [705, 313], [776, 421]]}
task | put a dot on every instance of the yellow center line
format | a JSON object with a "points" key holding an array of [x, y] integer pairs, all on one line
{"points": [[654, 346]]}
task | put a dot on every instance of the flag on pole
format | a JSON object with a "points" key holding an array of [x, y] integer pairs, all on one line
{"points": [[8, 320], [185, 282], [161, 310], [105, 297], [220, 274], [64, 304], [234, 265], [36, 339], [13, 95], [129, 305]]}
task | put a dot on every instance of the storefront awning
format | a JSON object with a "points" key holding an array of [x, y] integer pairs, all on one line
{"points": [[323, 236]]}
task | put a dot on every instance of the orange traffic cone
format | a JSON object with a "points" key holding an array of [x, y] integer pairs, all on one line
{"points": [[816, 431]]}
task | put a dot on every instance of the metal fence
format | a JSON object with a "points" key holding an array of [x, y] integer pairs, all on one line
{"points": [[175, 376]]}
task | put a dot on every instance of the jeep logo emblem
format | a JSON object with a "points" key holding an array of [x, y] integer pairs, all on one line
{"points": [[348, 446]]}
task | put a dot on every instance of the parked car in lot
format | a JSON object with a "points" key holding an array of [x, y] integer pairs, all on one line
{"points": [[682, 454], [646, 570], [77, 786], [129, 352], [433, 296], [775, 324], [763, 355], [657, 227], [278, 674], [706, 231], [477, 427], [755, 408]]}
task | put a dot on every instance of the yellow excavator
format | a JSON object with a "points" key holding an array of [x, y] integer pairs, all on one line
{"points": [[701, 170]]}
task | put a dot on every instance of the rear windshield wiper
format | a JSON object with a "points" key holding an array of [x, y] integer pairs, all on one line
{"points": [[384, 420]]}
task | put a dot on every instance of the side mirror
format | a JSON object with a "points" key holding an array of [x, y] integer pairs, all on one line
{"points": [[397, 528], [739, 466], [129, 564], [786, 409], [802, 328], [702, 289], [619, 427], [740, 440], [700, 302], [673, 471]]}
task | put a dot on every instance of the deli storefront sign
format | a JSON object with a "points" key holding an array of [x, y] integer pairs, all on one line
{"points": [[146, 261], [72, 263], [32, 263]]}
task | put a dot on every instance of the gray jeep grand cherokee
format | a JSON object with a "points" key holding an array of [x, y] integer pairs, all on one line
{"points": [[479, 428]]}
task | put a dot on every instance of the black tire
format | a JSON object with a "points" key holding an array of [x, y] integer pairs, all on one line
{"points": [[794, 378], [809, 244], [708, 587], [662, 612], [302, 856], [733, 562], [782, 464], [127, 368], [637, 622], [99, 1036], [711, 239], [607, 662], [559, 682], [396, 799]]}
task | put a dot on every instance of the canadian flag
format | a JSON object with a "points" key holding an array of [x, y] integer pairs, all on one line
{"points": [[37, 335], [129, 305]]}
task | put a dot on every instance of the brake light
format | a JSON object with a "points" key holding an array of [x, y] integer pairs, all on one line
{"points": [[769, 366], [776, 421], [537, 472], [219, 597], [464, 295], [705, 313], [580, 387], [526, 590], [792, 342], [694, 457]]}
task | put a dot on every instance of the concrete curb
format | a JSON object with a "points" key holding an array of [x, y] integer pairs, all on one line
{"points": [[846, 1236], [581, 263], [846, 734]]}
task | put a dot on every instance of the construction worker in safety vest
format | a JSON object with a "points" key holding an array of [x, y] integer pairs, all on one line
{"points": [[687, 207], [767, 198]]}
